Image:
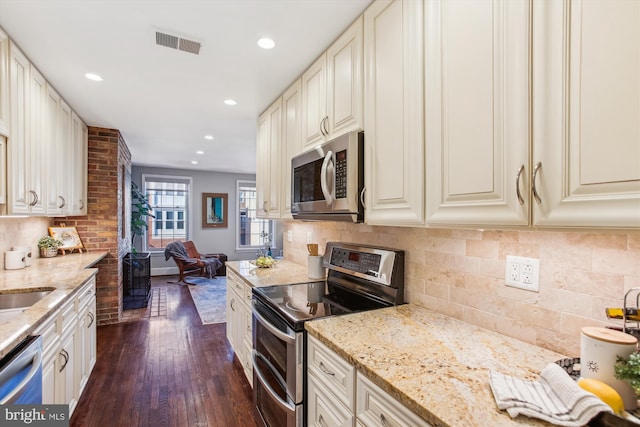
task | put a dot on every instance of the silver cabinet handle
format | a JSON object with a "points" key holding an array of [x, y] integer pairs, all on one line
{"points": [[65, 355], [81, 205], [35, 198], [321, 421], [383, 420], [325, 125], [325, 370], [92, 317], [520, 199], [364, 205], [321, 128], [265, 205], [533, 183], [231, 304], [64, 202]]}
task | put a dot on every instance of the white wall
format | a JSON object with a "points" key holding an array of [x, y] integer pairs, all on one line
{"points": [[209, 240]]}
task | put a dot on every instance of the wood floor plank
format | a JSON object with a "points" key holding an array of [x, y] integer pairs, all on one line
{"points": [[166, 371]]}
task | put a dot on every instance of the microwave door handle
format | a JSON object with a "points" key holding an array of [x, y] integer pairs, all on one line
{"points": [[326, 191]]}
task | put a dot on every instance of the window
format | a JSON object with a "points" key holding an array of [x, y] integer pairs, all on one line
{"points": [[251, 232], [170, 202]]}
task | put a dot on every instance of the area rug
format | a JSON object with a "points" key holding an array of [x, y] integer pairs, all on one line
{"points": [[209, 296]]}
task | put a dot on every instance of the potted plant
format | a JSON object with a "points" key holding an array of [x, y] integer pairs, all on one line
{"points": [[629, 371], [140, 210], [48, 246]]}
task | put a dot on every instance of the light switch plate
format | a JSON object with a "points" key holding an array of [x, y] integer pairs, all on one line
{"points": [[522, 273]]}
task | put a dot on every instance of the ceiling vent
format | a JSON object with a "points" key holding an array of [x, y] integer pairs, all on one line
{"points": [[175, 42]]}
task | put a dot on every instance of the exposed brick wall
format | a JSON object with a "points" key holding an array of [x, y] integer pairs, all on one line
{"points": [[102, 228]]}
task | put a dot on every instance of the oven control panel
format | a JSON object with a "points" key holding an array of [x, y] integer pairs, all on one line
{"points": [[384, 266], [360, 262]]}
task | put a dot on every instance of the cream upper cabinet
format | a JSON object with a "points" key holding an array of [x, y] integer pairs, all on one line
{"points": [[291, 138], [586, 126], [57, 193], [393, 95], [4, 84], [268, 174], [477, 111], [25, 146], [78, 186], [532, 113], [332, 90]]}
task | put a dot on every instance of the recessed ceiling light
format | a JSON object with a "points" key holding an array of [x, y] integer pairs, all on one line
{"points": [[230, 102], [194, 162], [266, 43], [94, 77], [200, 152], [209, 137]]}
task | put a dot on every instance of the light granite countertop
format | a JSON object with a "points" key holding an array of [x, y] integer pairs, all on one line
{"points": [[284, 273], [435, 365], [62, 275]]}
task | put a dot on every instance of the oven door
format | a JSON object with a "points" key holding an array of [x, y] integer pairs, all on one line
{"points": [[278, 366]]}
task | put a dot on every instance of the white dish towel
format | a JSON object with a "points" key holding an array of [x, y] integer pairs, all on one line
{"points": [[555, 398]]}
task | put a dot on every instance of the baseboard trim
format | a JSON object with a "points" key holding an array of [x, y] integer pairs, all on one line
{"points": [[165, 271]]}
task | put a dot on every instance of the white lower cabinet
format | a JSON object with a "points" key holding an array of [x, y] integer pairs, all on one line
{"points": [[239, 328], [69, 348], [338, 396]]}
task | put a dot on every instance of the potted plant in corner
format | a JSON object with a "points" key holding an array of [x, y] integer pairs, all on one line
{"points": [[137, 266], [48, 246]]}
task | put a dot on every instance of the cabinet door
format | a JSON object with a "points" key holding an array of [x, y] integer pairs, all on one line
{"points": [[262, 165], [79, 166], [234, 315], [477, 112], [18, 154], [67, 371], [268, 161], [314, 103], [56, 151], [291, 140], [4, 84], [36, 144], [586, 130], [49, 380], [344, 82], [324, 410], [394, 138]]}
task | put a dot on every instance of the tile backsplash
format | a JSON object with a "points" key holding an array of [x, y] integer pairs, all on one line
{"points": [[22, 232], [460, 272]]}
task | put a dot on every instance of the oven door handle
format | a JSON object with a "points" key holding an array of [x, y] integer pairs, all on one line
{"points": [[275, 331], [284, 405]]}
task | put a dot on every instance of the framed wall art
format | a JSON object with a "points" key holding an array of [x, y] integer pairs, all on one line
{"points": [[214, 210]]}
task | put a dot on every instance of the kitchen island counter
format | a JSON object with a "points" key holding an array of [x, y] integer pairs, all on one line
{"points": [[435, 365], [284, 273], [63, 275]]}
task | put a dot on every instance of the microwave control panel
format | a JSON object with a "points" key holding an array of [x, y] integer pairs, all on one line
{"points": [[341, 174]]}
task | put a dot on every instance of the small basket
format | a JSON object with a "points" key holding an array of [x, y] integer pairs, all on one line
{"points": [[48, 252]]}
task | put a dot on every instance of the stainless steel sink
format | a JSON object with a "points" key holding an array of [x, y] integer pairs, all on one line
{"points": [[21, 299]]}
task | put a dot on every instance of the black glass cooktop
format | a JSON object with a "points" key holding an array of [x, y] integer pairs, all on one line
{"points": [[300, 302]]}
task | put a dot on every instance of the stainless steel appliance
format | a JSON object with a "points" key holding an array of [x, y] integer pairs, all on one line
{"points": [[21, 373], [360, 278], [328, 181]]}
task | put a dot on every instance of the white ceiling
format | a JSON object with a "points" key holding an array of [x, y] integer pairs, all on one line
{"points": [[162, 100]]}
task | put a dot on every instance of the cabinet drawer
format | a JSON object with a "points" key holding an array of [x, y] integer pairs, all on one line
{"points": [[48, 331], [248, 294], [375, 408], [87, 293], [333, 371], [324, 410], [67, 315]]}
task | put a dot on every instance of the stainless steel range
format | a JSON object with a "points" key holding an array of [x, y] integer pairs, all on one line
{"points": [[360, 278]]}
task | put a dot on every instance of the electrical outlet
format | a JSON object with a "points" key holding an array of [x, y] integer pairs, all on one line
{"points": [[522, 273], [290, 236]]}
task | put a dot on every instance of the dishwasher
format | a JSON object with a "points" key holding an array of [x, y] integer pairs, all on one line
{"points": [[21, 373]]}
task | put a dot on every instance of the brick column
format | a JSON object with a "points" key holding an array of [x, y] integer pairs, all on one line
{"points": [[103, 228]]}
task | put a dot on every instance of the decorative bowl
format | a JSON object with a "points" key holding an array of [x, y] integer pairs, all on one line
{"points": [[272, 263]]}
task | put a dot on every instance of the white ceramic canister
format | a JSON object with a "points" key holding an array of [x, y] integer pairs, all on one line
{"points": [[599, 351], [315, 268], [27, 251], [14, 260]]}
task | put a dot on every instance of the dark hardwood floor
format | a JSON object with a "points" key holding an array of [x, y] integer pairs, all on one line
{"points": [[167, 370]]}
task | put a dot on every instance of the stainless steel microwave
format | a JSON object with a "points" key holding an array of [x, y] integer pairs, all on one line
{"points": [[327, 182]]}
